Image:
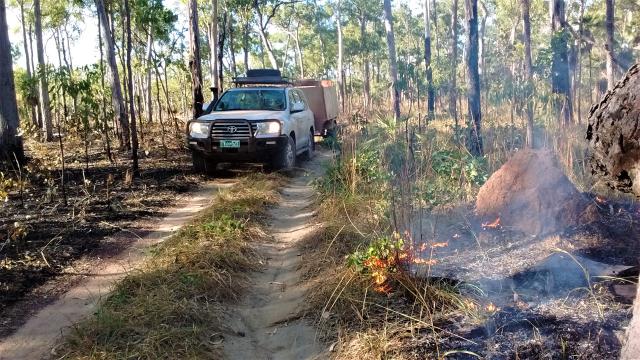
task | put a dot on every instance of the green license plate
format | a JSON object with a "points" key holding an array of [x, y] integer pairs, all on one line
{"points": [[229, 143]]}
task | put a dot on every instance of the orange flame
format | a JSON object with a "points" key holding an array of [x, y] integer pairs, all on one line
{"points": [[600, 200], [419, 261], [492, 225], [491, 308]]}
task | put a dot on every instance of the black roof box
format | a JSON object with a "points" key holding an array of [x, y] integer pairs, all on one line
{"points": [[262, 76]]}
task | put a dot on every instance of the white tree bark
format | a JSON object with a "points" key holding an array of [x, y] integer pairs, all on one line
{"points": [[393, 64], [114, 78], [213, 45], [47, 125]]}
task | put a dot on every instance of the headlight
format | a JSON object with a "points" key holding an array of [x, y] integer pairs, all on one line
{"points": [[199, 130], [268, 128]]}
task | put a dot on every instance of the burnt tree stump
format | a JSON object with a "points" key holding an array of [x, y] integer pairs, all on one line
{"points": [[614, 142], [614, 134]]}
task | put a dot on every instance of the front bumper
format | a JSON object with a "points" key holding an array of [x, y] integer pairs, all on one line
{"points": [[251, 150]]}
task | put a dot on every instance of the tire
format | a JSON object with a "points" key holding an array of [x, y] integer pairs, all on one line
{"points": [[202, 165], [311, 148], [199, 163], [286, 158]]}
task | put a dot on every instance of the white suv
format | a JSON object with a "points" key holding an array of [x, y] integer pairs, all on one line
{"points": [[263, 124]]}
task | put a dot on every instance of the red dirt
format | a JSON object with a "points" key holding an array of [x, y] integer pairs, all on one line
{"points": [[530, 193]]}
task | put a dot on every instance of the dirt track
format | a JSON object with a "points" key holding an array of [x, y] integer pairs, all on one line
{"points": [[35, 339], [266, 323]]}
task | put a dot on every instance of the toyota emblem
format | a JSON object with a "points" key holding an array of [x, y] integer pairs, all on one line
{"points": [[232, 129]]}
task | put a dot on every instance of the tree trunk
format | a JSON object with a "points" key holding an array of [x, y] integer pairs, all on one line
{"points": [[245, 44], [10, 143], [213, 48], [393, 65], [613, 136], [474, 138], [340, 56], [560, 84], [366, 88], [116, 92], [30, 104], [609, 46], [194, 60], [103, 105], [148, 98], [42, 75], [528, 69], [296, 38], [454, 62], [264, 37], [232, 50], [613, 142], [221, 39], [134, 133], [427, 60], [579, 76]]}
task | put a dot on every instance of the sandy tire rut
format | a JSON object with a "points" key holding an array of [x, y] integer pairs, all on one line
{"points": [[266, 323]]}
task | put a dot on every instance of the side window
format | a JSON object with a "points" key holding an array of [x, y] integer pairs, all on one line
{"points": [[292, 98], [302, 98]]}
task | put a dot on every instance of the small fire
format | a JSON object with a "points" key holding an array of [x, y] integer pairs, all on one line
{"points": [[429, 262], [424, 246], [492, 225], [491, 308], [600, 200]]}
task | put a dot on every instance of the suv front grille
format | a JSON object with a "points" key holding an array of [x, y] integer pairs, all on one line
{"points": [[228, 129]]}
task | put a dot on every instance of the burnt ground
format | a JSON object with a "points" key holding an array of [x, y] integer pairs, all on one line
{"points": [[546, 306], [45, 242]]}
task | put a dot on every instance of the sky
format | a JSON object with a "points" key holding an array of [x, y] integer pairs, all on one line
{"points": [[84, 49]]}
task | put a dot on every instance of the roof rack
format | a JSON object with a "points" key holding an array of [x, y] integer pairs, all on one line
{"points": [[262, 77]]}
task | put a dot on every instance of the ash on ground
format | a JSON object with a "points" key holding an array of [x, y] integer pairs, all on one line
{"points": [[561, 289]]}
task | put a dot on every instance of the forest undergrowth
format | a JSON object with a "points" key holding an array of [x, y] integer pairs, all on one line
{"points": [[367, 299]]}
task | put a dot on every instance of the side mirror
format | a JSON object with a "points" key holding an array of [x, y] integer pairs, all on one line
{"points": [[297, 107]]}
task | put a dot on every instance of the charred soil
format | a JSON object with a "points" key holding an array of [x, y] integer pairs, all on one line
{"points": [[47, 243]]}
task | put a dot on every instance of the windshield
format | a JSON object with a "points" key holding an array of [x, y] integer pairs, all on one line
{"points": [[252, 99]]}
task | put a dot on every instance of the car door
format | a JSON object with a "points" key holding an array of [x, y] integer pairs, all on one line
{"points": [[297, 119], [307, 120]]}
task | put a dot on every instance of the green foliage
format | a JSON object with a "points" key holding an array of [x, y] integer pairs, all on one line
{"points": [[224, 225], [382, 249]]}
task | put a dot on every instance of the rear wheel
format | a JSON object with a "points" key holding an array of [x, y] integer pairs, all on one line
{"points": [[286, 158]]}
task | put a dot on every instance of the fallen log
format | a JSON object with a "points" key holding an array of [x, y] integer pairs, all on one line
{"points": [[613, 135]]}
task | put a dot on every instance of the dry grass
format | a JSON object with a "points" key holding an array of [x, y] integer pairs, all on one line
{"points": [[172, 308], [359, 321]]}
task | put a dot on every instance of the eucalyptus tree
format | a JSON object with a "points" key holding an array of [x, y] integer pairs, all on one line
{"points": [[427, 60], [10, 144], [560, 82], [120, 110], [132, 112], [393, 64], [195, 66], [45, 107], [528, 68], [609, 44], [474, 137]]}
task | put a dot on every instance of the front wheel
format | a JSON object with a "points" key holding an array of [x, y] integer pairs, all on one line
{"points": [[202, 165], [286, 157]]}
